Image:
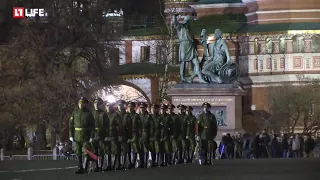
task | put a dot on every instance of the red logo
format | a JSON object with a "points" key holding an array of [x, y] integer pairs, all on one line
{"points": [[18, 12]]}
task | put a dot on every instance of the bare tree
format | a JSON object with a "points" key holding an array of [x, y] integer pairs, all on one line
{"points": [[293, 106], [50, 61]]}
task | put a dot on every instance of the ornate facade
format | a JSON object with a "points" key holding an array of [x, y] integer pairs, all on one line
{"points": [[272, 44]]}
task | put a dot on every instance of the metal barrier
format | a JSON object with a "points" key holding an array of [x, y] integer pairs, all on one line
{"points": [[6, 158], [54, 157], [19, 157]]}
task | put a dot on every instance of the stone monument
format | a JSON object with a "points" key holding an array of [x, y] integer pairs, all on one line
{"points": [[218, 82]]}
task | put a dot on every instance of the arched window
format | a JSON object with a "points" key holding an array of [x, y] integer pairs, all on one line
{"points": [[298, 44], [256, 46], [315, 43], [269, 46], [282, 45]]}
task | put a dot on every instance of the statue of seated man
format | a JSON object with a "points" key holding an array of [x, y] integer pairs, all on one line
{"points": [[218, 56]]}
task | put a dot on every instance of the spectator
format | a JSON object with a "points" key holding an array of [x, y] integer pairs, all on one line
{"points": [[309, 146], [296, 146]]}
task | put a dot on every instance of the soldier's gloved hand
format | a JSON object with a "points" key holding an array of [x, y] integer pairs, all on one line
{"points": [[90, 141], [129, 141], [187, 137], [71, 139], [198, 138], [106, 139]]}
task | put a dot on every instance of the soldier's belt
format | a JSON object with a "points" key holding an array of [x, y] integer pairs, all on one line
{"points": [[100, 128], [80, 129]]}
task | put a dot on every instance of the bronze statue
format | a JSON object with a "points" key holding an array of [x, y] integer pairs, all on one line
{"points": [[187, 49], [217, 66]]}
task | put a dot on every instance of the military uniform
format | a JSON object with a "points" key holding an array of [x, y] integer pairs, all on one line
{"points": [[82, 131], [175, 135], [145, 134], [155, 143], [179, 132], [126, 125], [207, 131], [134, 134], [189, 130], [115, 130], [112, 117], [166, 132], [101, 132]]}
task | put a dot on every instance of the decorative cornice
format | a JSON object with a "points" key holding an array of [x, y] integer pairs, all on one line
{"points": [[284, 11], [282, 19], [212, 6]]}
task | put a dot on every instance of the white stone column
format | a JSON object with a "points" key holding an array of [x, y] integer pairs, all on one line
{"points": [[54, 153], [1, 154], [251, 48], [30, 153]]}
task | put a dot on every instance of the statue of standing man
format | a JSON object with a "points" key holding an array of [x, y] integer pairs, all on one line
{"points": [[187, 48]]}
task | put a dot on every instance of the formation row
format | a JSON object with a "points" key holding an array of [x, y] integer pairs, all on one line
{"points": [[126, 137]]}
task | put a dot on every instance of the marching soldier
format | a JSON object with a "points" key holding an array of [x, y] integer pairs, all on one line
{"points": [[180, 132], [134, 134], [110, 111], [81, 132], [207, 131], [175, 133], [155, 144], [145, 133], [166, 131], [123, 139], [190, 124], [101, 126], [115, 135]]}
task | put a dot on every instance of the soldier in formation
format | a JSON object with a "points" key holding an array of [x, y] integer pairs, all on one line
{"points": [[140, 140]]}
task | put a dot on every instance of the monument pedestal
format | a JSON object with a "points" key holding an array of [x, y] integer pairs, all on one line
{"points": [[225, 99]]}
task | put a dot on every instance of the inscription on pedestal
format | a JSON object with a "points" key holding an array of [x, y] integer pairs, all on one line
{"points": [[194, 101]]}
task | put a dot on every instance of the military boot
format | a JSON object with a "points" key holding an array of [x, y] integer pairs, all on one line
{"points": [[101, 164], [80, 166], [109, 163], [154, 160], [161, 160], [130, 164], [146, 161], [86, 165], [96, 169]]}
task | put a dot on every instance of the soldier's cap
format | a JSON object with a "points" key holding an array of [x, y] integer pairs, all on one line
{"points": [[171, 106], [98, 100], [181, 106], [121, 102], [189, 108], [163, 106], [83, 99], [156, 106], [131, 104], [143, 105], [206, 104]]}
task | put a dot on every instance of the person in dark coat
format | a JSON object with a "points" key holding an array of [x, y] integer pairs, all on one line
{"points": [[309, 145], [285, 146], [275, 146]]}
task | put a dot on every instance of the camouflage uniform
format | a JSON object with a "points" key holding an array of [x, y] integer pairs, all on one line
{"points": [[81, 128], [207, 130]]}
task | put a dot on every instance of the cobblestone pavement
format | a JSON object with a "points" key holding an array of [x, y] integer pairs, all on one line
{"points": [[263, 169]]}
